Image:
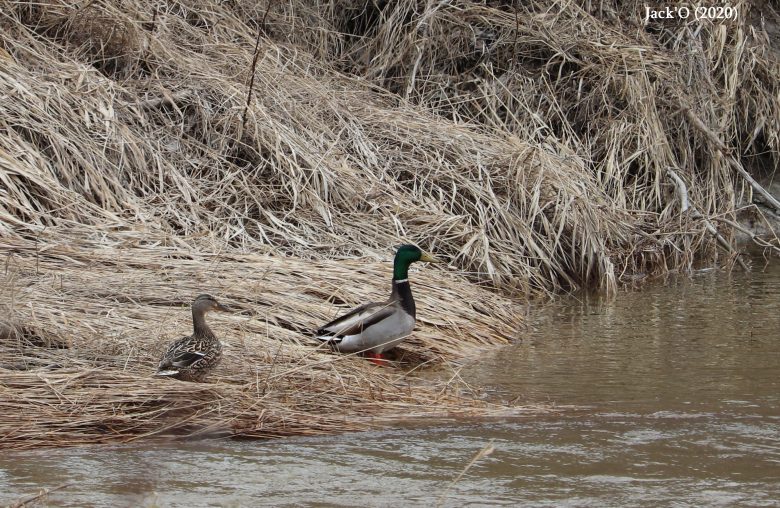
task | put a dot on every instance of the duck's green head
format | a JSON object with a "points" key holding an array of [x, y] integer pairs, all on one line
{"points": [[405, 256]]}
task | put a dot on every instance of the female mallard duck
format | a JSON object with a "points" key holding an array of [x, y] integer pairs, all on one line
{"points": [[192, 358], [377, 327]]}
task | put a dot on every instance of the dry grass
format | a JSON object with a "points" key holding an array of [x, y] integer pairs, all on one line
{"points": [[552, 177], [326, 165], [528, 146], [86, 323]]}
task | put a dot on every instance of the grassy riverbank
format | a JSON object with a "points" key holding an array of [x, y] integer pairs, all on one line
{"points": [[273, 153]]}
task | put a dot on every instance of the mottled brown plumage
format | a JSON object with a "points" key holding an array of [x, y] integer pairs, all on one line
{"points": [[192, 358]]}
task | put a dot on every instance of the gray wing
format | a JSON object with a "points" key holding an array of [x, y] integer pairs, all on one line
{"points": [[355, 321]]}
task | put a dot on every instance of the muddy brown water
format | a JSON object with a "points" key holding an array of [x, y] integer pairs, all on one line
{"points": [[679, 384]]}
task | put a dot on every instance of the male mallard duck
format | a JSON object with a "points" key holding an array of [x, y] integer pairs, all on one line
{"points": [[192, 358], [377, 327]]}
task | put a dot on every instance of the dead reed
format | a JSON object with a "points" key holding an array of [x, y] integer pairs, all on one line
{"points": [[272, 152], [551, 176], [84, 326]]}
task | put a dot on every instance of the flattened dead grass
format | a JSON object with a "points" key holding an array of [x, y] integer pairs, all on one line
{"points": [[85, 325], [530, 146]]}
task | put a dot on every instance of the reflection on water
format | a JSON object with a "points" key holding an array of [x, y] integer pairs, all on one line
{"points": [[680, 382]]}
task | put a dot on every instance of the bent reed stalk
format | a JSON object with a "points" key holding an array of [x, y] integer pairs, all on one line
{"points": [[527, 145], [83, 325]]}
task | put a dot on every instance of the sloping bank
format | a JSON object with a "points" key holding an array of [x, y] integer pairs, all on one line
{"points": [[531, 149]]}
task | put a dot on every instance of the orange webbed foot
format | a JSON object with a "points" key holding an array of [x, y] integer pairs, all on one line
{"points": [[377, 359]]}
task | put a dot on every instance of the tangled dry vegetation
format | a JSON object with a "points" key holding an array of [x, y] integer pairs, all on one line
{"points": [[91, 318], [272, 152]]}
